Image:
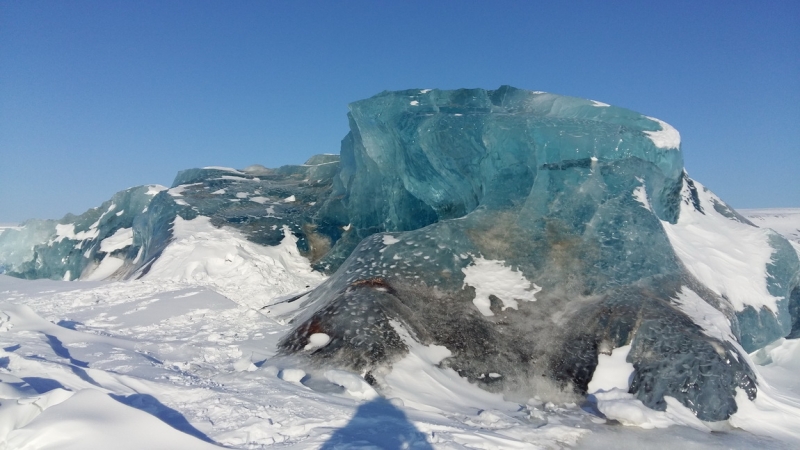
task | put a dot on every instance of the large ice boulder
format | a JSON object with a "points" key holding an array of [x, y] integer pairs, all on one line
{"points": [[529, 233]]}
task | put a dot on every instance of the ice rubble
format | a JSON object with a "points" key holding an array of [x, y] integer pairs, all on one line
{"points": [[595, 237]]}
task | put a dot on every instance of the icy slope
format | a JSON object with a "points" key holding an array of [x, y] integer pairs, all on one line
{"points": [[753, 268]]}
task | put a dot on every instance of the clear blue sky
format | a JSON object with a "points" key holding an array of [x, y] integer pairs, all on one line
{"points": [[98, 96]]}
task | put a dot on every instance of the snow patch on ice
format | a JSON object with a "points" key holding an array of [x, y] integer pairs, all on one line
{"points": [[154, 189], [389, 240], [667, 137], [121, 238], [713, 323], [317, 340], [421, 384], [640, 194], [493, 277], [67, 231], [224, 169]]}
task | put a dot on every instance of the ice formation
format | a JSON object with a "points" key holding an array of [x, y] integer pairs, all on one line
{"points": [[591, 237]]}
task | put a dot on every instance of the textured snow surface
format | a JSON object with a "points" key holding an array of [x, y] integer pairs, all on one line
{"points": [[223, 259], [166, 364], [612, 372]]}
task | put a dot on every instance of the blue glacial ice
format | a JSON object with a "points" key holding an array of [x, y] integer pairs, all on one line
{"points": [[574, 197], [526, 232]]}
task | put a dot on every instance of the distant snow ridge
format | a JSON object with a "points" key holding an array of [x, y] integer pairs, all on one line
{"points": [[785, 221]]}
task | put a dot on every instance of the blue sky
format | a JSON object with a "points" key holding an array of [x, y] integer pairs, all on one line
{"points": [[98, 96]]}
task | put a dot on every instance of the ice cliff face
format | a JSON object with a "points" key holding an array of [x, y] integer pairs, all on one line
{"points": [[528, 233]]}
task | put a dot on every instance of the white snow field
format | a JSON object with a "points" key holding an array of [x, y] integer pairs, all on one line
{"points": [[185, 358], [785, 221]]}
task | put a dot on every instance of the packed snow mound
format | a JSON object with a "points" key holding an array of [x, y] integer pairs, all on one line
{"points": [[754, 269], [222, 259]]}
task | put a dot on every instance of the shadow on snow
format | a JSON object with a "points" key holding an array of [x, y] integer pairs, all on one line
{"points": [[378, 424]]}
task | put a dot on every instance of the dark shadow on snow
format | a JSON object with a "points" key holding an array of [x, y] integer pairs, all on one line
{"points": [[378, 424], [63, 352], [76, 365], [169, 416], [69, 324], [42, 385]]}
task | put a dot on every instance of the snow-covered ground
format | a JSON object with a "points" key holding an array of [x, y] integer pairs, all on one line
{"points": [[154, 364], [785, 221], [186, 358]]}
